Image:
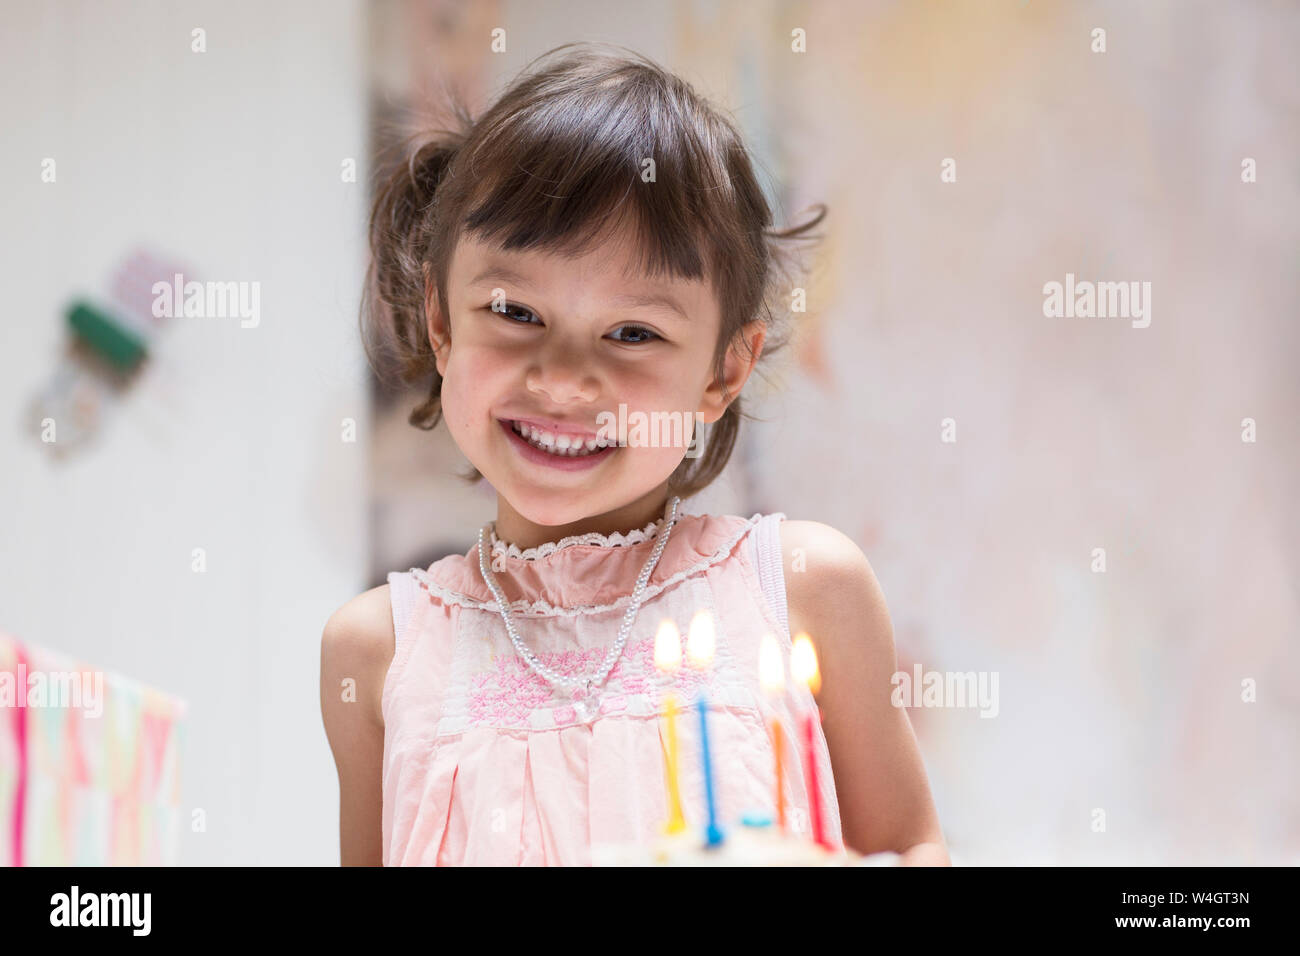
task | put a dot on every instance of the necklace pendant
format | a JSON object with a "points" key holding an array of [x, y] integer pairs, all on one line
{"points": [[585, 707]]}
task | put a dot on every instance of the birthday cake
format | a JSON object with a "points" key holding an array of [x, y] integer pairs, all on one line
{"points": [[756, 841]]}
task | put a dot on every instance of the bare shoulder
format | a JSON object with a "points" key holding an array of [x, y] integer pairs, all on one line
{"points": [[828, 580], [356, 649], [819, 558], [363, 627], [358, 642], [825, 542]]}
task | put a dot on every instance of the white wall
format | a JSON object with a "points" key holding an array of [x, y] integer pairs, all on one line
{"points": [[1119, 691], [228, 159]]}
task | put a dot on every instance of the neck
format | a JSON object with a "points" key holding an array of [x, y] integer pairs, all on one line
{"points": [[514, 528]]}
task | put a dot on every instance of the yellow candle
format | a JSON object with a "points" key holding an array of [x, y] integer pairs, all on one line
{"points": [[675, 822], [668, 657]]}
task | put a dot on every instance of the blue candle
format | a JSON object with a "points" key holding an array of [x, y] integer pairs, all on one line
{"points": [[713, 833], [699, 650]]}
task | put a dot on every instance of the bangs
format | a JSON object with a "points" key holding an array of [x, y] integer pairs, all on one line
{"points": [[563, 174]]}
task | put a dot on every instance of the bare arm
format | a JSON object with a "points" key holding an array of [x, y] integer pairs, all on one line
{"points": [[356, 649], [885, 801]]}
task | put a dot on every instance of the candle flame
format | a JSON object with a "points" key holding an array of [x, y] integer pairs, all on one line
{"points": [[699, 639], [668, 646], [771, 675], [803, 663]]}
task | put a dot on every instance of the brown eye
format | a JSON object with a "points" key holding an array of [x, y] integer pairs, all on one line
{"points": [[646, 335], [506, 313]]}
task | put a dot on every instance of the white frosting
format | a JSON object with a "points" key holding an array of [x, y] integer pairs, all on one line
{"points": [[742, 846]]}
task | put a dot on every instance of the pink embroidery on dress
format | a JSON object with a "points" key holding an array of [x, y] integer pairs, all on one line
{"points": [[612, 705], [508, 692], [636, 673]]}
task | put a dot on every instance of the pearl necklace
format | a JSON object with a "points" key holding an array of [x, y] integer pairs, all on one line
{"points": [[585, 706]]}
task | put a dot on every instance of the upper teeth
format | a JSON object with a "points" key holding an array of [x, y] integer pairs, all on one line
{"points": [[556, 444]]}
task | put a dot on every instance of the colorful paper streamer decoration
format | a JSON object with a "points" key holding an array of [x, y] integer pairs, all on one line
{"points": [[94, 784]]}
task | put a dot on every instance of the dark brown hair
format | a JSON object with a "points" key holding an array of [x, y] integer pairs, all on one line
{"points": [[555, 165]]}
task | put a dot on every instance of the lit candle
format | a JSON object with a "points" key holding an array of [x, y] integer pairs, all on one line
{"points": [[771, 675], [699, 650], [803, 667], [668, 657]]}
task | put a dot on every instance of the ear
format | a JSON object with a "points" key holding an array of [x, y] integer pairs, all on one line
{"points": [[436, 322], [742, 355]]}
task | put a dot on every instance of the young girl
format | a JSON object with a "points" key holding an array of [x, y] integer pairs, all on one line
{"points": [[596, 249]]}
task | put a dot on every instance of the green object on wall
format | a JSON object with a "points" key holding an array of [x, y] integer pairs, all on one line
{"points": [[106, 335]]}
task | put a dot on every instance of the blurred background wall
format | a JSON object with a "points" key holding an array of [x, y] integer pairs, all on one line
{"points": [[228, 160], [1119, 691]]}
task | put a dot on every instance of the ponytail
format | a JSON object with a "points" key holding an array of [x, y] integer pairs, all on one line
{"points": [[403, 221]]}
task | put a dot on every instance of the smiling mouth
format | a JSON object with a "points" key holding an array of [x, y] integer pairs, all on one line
{"points": [[558, 445]]}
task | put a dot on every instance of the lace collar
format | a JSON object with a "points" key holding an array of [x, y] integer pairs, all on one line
{"points": [[590, 539]]}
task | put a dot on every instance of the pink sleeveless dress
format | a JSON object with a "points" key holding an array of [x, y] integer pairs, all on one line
{"points": [[485, 764]]}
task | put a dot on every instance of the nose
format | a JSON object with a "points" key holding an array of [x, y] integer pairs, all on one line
{"points": [[562, 373]]}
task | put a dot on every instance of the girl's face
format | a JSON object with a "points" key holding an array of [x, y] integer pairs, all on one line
{"points": [[567, 340]]}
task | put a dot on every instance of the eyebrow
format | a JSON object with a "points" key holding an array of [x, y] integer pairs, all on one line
{"points": [[501, 274], [634, 300]]}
